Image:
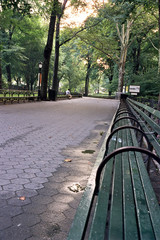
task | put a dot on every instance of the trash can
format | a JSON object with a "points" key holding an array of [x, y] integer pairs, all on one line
{"points": [[52, 94]]}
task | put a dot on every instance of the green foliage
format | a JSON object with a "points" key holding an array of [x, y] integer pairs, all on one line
{"points": [[149, 82], [21, 43], [71, 70], [20, 7]]}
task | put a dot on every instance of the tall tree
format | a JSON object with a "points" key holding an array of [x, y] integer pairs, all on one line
{"points": [[124, 36], [48, 50], [55, 84], [116, 32], [89, 62]]}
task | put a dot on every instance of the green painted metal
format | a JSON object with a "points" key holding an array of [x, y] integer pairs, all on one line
{"points": [[116, 214], [130, 219], [101, 211]]}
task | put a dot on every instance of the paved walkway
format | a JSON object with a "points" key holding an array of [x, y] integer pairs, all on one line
{"points": [[36, 139]]}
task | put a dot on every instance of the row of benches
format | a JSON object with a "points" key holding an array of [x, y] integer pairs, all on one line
{"points": [[24, 95], [17, 96], [119, 201]]}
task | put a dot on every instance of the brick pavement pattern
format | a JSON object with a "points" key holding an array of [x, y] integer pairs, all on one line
{"points": [[36, 138]]}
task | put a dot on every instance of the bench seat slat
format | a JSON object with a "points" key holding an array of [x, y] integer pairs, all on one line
{"points": [[130, 220], [151, 137], [147, 108], [116, 214], [100, 215], [144, 222], [152, 123], [153, 207]]}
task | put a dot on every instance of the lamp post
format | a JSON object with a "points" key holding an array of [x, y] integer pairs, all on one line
{"points": [[40, 78]]}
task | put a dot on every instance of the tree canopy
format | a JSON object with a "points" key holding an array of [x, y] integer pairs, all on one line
{"points": [[117, 45]]}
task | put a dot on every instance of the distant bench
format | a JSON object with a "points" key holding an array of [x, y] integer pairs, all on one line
{"points": [[119, 201], [17, 96]]}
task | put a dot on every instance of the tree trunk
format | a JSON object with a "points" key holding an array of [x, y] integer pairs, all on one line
{"points": [[55, 84], [47, 52], [98, 86], [8, 70], [124, 40], [87, 75], [136, 57], [110, 81], [122, 69]]}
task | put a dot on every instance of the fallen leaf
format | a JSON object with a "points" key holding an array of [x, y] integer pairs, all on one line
{"points": [[68, 160], [22, 198], [76, 187], [88, 151], [101, 133]]}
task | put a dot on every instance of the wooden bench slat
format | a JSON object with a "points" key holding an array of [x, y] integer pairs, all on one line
{"points": [[101, 212], [153, 124], [153, 207], [155, 112], [116, 214], [144, 221], [100, 215], [130, 220]]}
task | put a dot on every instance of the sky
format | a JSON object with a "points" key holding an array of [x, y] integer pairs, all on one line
{"points": [[77, 17]]}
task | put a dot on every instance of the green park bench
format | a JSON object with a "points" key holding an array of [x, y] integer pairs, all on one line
{"points": [[119, 201]]}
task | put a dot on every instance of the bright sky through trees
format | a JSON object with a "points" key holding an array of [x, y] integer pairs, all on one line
{"points": [[74, 17]]}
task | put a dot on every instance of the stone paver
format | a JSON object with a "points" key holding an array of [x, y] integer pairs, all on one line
{"points": [[36, 138]]}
